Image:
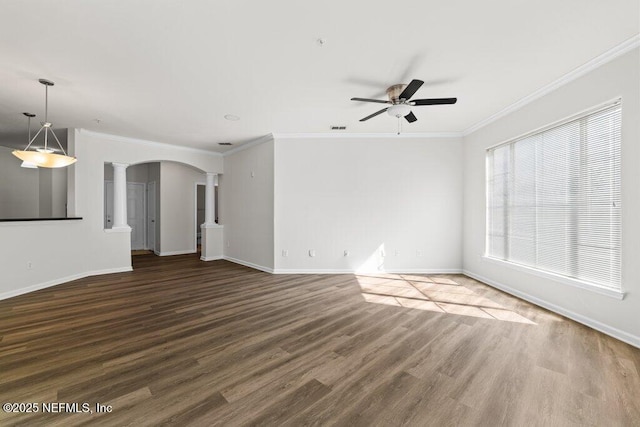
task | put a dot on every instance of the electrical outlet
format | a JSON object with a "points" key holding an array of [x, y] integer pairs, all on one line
{"points": [[285, 253], [418, 253], [312, 252], [346, 252], [253, 174], [29, 265], [382, 253]]}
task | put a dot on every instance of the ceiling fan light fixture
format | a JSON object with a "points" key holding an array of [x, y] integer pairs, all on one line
{"points": [[398, 110], [401, 102]]}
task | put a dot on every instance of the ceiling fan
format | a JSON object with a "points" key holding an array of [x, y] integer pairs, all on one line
{"points": [[401, 103]]}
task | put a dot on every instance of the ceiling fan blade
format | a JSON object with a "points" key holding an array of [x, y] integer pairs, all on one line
{"points": [[374, 114], [410, 117], [411, 89], [434, 101], [380, 101]]}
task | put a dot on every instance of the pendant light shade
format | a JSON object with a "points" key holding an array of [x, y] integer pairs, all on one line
{"points": [[28, 165], [44, 157]]}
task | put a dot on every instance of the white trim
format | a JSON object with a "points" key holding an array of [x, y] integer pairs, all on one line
{"points": [[247, 145], [30, 223], [145, 142], [337, 135], [634, 340], [61, 280], [214, 225], [126, 229], [356, 272], [171, 253], [577, 283], [195, 214], [576, 73], [211, 258], [248, 264], [311, 271]]}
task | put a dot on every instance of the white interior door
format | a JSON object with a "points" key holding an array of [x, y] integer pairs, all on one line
{"points": [[151, 216], [136, 215]]}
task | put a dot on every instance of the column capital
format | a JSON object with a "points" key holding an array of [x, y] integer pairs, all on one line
{"points": [[119, 165]]}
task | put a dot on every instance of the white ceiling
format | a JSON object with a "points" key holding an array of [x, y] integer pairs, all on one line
{"points": [[169, 71]]}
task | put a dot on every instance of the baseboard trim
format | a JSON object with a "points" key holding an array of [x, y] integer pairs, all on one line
{"points": [[599, 326], [170, 253], [61, 280], [349, 271], [308, 271], [248, 264], [211, 258]]}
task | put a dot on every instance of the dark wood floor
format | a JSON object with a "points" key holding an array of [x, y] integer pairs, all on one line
{"points": [[184, 342]]}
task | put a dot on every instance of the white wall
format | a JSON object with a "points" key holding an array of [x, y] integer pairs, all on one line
{"points": [[177, 207], [52, 190], [246, 206], [403, 195], [135, 173], [61, 251], [19, 194], [621, 77], [30, 193]]}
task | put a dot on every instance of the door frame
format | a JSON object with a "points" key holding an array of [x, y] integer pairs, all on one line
{"points": [[144, 210], [146, 203], [195, 212]]}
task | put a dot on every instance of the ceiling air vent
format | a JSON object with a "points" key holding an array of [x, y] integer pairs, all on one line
{"points": [[224, 143], [338, 128]]}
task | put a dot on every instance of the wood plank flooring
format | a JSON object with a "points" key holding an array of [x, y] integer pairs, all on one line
{"points": [[183, 342]]}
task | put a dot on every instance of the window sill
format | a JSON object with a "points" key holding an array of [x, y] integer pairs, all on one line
{"points": [[612, 293]]}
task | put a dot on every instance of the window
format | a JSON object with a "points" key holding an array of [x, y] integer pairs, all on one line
{"points": [[553, 199]]}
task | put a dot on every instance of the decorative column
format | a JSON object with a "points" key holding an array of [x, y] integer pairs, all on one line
{"points": [[212, 233], [120, 197], [209, 200]]}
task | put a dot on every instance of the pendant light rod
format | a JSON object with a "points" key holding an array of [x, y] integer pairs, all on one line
{"points": [[44, 157], [46, 98], [46, 123], [26, 164], [34, 138], [29, 116]]}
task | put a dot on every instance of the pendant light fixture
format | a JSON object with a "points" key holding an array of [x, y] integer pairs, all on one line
{"points": [[26, 164], [45, 157]]}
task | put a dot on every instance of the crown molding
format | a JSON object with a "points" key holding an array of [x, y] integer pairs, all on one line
{"points": [[576, 73], [147, 143], [332, 135], [251, 143]]}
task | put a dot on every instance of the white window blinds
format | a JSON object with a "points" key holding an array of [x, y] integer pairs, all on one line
{"points": [[553, 199]]}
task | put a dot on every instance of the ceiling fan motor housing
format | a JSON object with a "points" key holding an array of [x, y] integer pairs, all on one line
{"points": [[393, 92]]}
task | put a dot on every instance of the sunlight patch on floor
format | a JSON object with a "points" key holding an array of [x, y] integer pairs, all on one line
{"points": [[435, 294]]}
